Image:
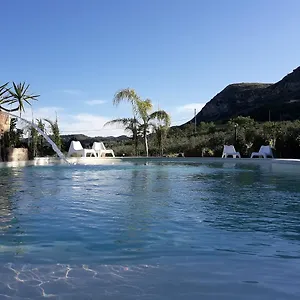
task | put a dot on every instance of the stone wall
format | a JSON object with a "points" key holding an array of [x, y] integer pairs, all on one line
{"points": [[17, 154]]}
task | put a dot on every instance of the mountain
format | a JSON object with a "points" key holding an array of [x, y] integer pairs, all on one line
{"points": [[261, 101]]}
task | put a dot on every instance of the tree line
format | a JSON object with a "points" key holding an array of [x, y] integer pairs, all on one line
{"points": [[208, 139], [13, 98], [150, 133]]}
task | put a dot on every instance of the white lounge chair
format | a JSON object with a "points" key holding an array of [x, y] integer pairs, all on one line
{"points": [[264, 151], [229, 150], [76, 148], [101, 151]]}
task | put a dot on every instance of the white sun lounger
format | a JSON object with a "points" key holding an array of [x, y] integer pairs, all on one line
{"points": [[101, 150], [264, 151], [76, 148], [229, 150]]}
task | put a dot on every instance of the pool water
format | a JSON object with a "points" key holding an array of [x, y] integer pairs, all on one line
{"points": [[156, 231]]}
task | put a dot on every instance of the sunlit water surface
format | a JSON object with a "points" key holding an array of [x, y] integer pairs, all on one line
{"points": [[156, 231]]}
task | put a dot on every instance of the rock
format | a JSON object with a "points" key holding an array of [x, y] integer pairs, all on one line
{"points": [[4, 122]]}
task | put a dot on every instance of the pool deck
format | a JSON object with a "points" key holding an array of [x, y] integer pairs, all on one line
{"points": [[290, 164]]}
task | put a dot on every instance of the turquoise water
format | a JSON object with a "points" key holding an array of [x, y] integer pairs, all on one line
{"points": [[156, 231]]}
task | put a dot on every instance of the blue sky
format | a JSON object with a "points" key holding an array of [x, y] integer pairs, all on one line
{"points": [[179, 53]]}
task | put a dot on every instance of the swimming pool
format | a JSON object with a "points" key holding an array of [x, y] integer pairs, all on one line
{"points": [[156, 231]]}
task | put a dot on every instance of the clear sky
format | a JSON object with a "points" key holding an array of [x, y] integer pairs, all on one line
{"points": [[179, 53]]}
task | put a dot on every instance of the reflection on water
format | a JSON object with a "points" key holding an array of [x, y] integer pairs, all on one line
{"points": [[216, 216], [21, 190], [253, 201], [8, 187]]}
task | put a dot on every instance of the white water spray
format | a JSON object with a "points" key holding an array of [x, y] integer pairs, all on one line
{"points": [[46, 137]]}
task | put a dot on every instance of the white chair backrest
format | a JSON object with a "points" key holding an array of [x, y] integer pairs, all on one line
{"points": [[97, 146], [76, 145], [265, 149], [102, 146], [229, 149]]}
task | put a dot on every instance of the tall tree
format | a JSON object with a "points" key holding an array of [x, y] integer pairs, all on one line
{"points": [[33, 144], [130, 125], [14, 135], [144, 108], [140, 109], [141, 114], [32, 141], [130, 95], [161, 122], [55, 132], [158, 120], [40, 138]]}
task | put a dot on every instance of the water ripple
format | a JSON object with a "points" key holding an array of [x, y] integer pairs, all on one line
{"points": [[156, 214]]}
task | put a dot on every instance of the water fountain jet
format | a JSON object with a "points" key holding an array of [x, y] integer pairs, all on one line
{"points": [[46, 137]]}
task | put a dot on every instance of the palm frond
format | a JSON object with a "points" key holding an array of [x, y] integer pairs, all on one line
{"points": [[127, 94], [51, 123], [3, 90], [120, 121], [129, 124], [4, 95], [18, 95], [143, 108], [161, 116]]}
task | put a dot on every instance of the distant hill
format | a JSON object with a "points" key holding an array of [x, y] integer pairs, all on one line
{"points": [[77, 137], [280, 101], [82, 137], [87, 141]]}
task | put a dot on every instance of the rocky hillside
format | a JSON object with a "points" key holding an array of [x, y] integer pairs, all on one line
{"points": [[280, 101]]}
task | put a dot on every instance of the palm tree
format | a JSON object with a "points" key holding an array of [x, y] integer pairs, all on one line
{"points": [[140, 109], [158, 120], [141, 116], [161, 124], [130, 125], [129, 95], [17, 95], [144, 107]]}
